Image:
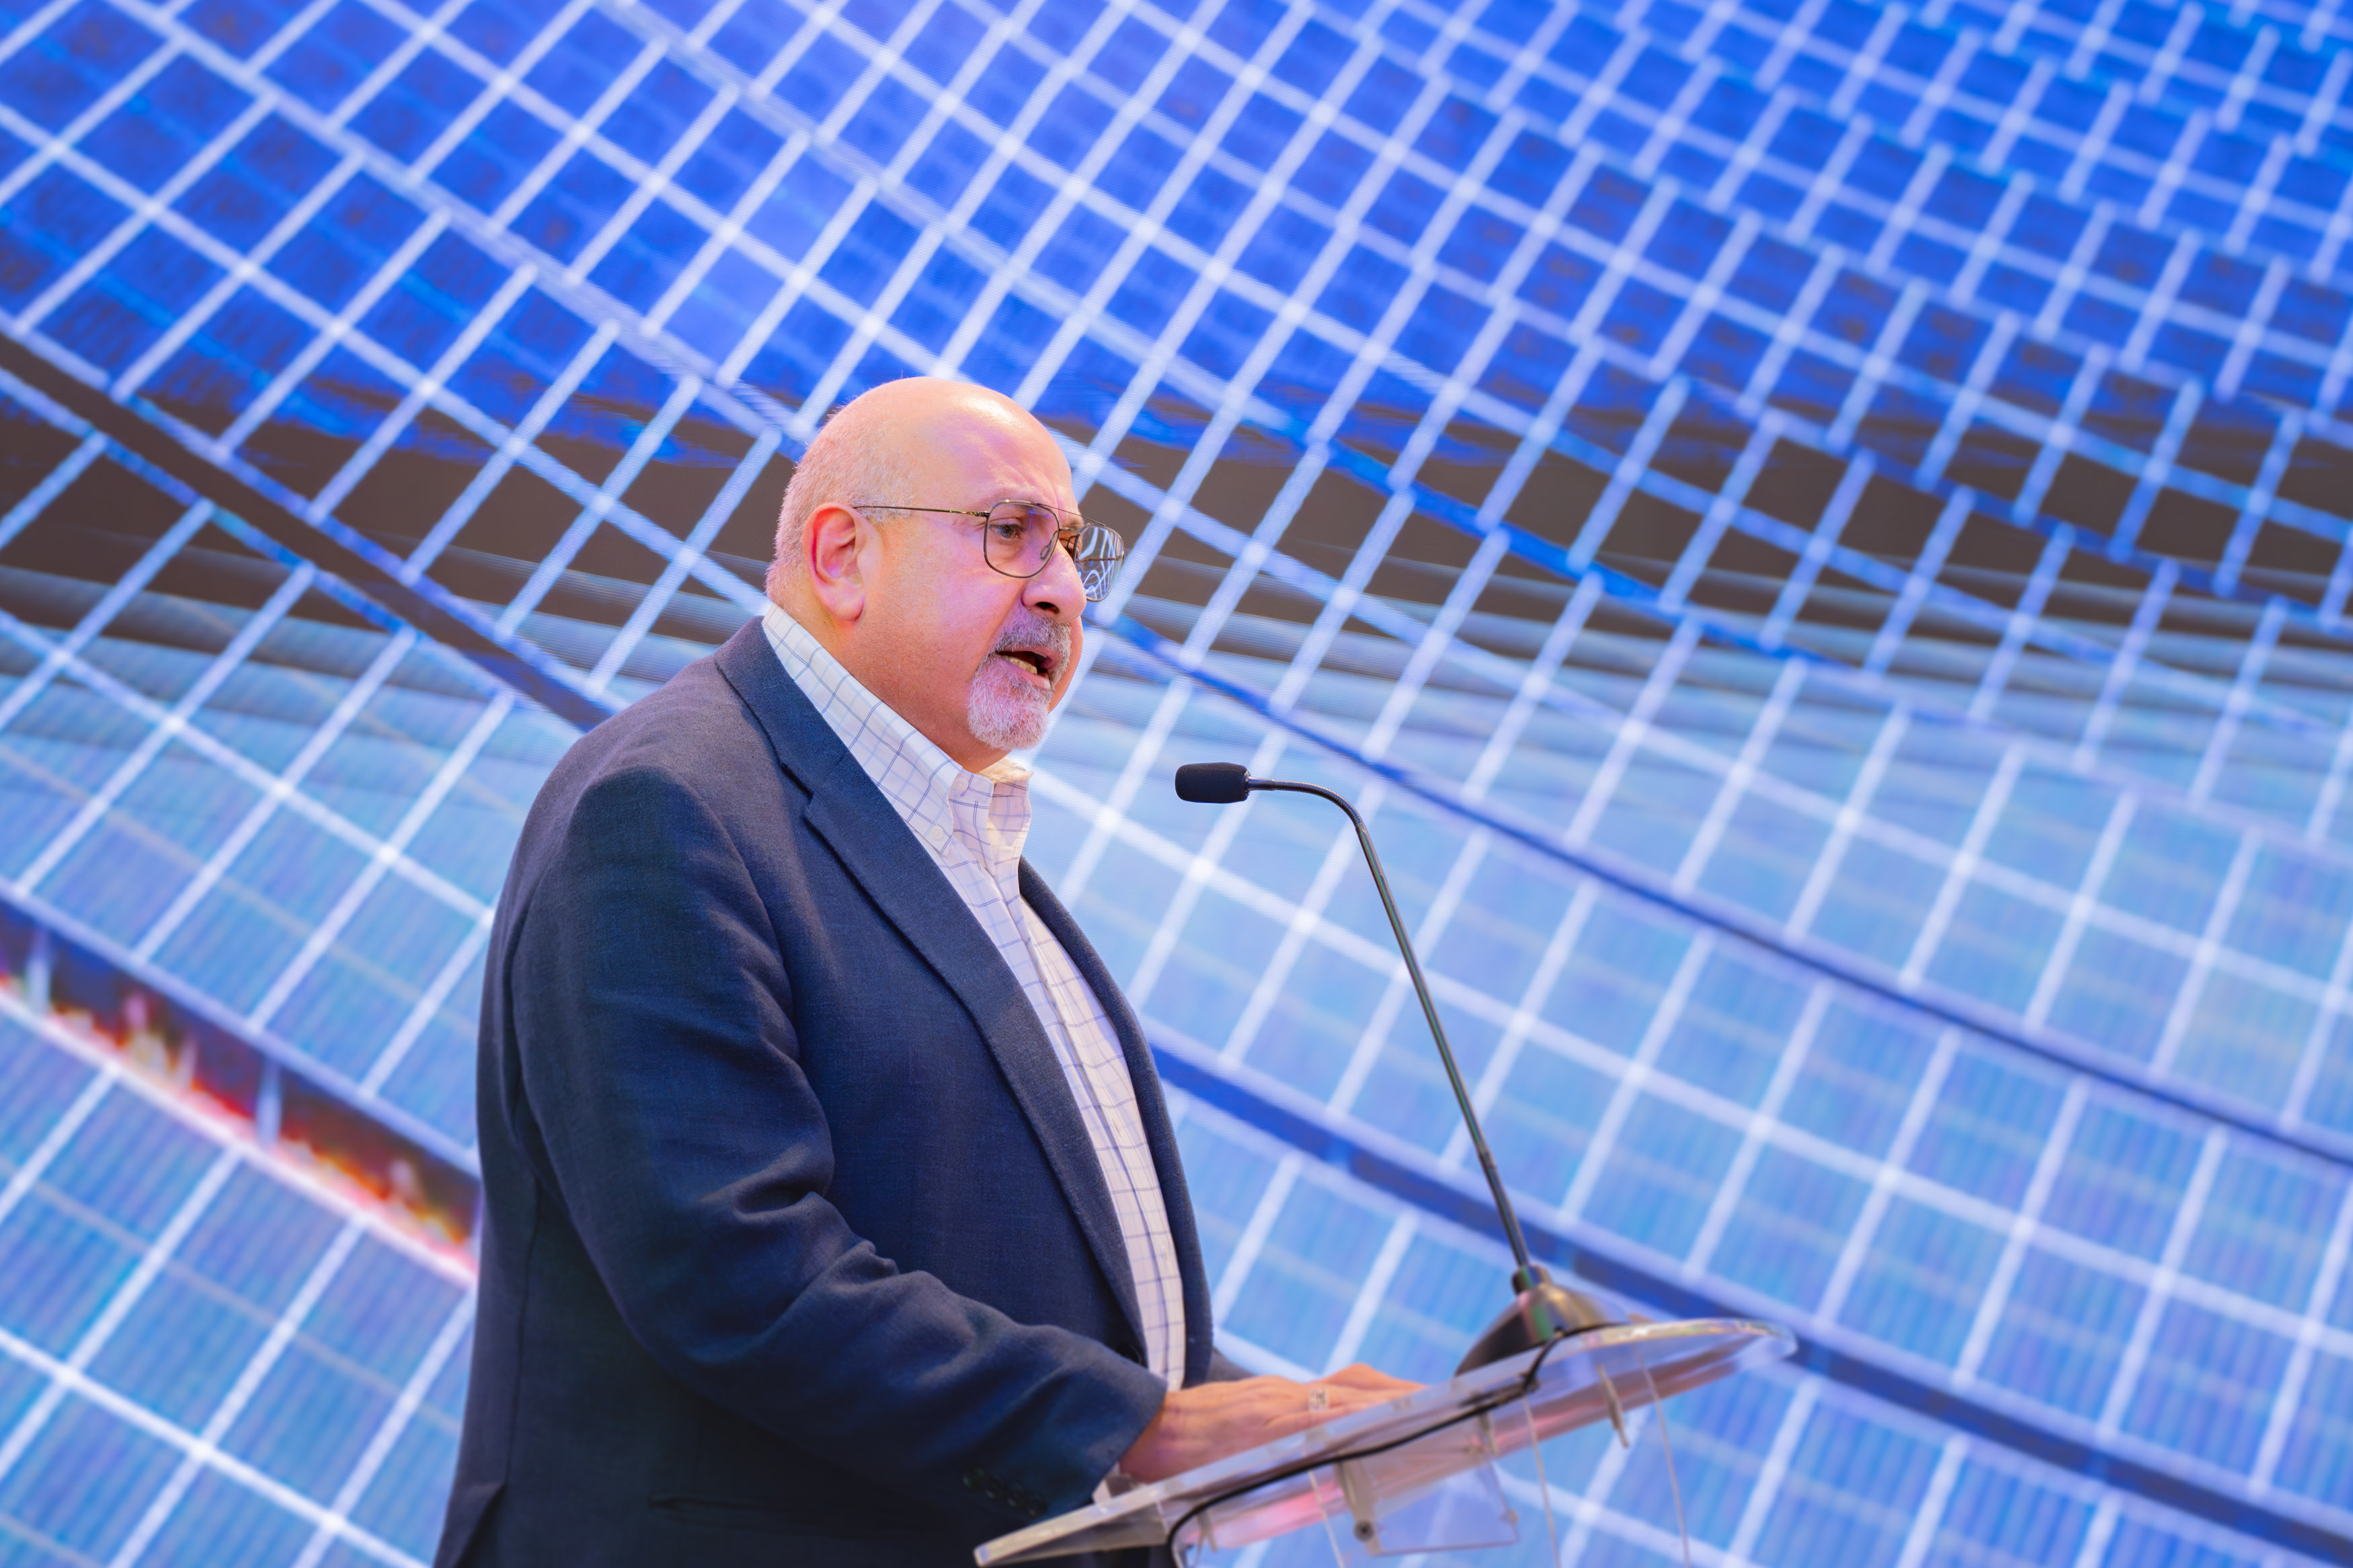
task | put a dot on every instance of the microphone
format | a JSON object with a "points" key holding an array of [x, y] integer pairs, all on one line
{"points": [[1541, 1310], [1216, 784]]}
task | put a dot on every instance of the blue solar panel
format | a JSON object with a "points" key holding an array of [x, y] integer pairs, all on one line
{"points": [[1815, 530]]}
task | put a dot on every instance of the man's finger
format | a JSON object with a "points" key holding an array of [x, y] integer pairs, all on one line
{"points": [[1356, 1374]]}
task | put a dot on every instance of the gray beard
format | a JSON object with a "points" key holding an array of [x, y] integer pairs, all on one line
{"points": [[1003, 711]]}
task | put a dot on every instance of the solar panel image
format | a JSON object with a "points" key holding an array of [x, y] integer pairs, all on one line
{"points": [[1814, 532]]}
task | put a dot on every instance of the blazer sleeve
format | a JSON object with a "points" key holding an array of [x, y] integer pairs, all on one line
{"points": [[650, 1011]]}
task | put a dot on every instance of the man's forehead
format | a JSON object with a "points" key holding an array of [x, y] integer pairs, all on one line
{"points": [[1000, 459]]}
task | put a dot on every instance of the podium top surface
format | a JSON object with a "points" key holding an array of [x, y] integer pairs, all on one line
{"points": [[1413, 1442]]}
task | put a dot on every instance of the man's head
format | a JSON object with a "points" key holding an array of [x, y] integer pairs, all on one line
{"points": [[906, 600]]}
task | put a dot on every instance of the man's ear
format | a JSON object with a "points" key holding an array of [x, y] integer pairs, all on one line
{"points": [[836, 570]]}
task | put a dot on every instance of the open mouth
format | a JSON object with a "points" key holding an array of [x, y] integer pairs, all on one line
{"points": [[1038, 661]]}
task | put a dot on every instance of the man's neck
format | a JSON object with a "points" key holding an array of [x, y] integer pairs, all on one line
{"points": [[830, 635]]}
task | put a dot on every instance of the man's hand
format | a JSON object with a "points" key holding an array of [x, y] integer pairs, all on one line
{"points": [[1197, 1424]]}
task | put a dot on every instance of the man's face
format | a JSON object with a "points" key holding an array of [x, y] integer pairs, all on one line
{"points": [[965, 653]]}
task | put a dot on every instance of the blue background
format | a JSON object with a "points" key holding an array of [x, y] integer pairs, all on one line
{"points": [[1815, 531]]}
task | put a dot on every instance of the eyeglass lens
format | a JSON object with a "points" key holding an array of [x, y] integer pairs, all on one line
{"points": [[1018, 541]]}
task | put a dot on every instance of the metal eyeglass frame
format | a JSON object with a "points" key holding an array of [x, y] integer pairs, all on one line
{"points": [[1098, 566]]}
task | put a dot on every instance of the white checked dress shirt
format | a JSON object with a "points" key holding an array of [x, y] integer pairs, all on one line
{"points": [[974, 826]]}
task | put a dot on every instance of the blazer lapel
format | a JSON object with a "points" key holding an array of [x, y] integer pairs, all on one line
{"points": [[849, 812], [1152, 1109]]}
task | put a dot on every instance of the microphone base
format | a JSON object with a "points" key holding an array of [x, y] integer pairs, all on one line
{"points": [[1542, 1312]]}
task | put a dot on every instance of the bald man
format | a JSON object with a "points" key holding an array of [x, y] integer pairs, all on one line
{"points": [[832, 1214]]}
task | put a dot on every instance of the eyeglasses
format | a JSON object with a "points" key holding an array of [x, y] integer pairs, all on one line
{"points": [[1017, 539]]}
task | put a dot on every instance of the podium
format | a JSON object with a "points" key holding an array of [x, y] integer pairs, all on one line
{"points": [[1415, 1473]]}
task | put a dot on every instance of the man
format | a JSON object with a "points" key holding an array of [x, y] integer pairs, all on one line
{"points": [[832, 1212]]}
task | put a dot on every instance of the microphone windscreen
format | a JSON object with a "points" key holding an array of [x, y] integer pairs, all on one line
{"points": [[1212, 784]]}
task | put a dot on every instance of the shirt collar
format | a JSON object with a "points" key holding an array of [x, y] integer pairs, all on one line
{"points": [[921, 782]]}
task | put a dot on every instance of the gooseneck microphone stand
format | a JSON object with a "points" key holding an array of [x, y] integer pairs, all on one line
{"points": [[1541, 1310]]}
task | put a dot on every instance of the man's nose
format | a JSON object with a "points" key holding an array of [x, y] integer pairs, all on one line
{"points": [[1057, 592]]}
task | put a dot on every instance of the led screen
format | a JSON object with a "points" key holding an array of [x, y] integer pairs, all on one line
{"points": [[1814, 531]]}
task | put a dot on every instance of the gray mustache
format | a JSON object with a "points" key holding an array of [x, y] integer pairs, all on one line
{"points": [[1040, 636]]}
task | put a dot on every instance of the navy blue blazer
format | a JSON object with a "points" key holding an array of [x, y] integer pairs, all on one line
{"points": [[796, 1249]]}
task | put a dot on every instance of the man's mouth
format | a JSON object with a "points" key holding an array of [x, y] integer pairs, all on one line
{"points": [[1038, 661]]}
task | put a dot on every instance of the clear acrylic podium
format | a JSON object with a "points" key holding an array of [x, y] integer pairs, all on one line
{"points": [[1415, 1474]]}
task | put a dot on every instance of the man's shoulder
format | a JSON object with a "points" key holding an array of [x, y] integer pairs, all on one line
{"points": [[693, 722], [697, 733]]}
